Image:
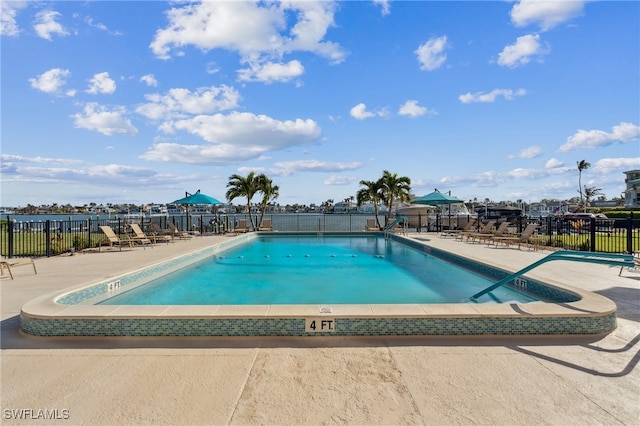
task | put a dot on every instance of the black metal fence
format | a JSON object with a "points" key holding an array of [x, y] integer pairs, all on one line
{"points": [[53, 237], [592, 234]]}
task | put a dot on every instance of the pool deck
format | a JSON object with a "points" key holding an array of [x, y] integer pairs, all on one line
{"points": [[317, 380]]}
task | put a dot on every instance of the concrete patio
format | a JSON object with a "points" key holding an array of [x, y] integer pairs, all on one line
{"points": [[439, 381]]}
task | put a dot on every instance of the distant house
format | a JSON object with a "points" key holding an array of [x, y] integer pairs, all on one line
{"points": [[345, 207], [632, 193]]}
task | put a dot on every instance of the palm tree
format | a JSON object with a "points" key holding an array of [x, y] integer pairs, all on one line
{"points": [[240, 186], [372, 192], [590, 192], [394, 188], [270, 192], [582, 165]]}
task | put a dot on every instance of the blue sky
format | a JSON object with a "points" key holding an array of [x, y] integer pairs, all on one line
{"points": [[138, 102]]}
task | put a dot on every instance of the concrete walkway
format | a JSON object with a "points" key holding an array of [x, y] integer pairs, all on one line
{"points": [[438, 381]]}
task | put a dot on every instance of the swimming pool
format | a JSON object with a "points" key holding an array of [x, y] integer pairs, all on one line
{"points": [[75, 313], [362, 269]]}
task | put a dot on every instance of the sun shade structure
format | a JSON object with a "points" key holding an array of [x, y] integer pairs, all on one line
{"points": [[437, 198], [197, 198], [194, 199]]}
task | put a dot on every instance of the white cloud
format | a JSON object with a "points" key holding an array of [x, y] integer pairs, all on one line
{"points": [[553, 163], [530, 152], [100, 26], [340, 180], [100, 119], [521, 51], [223, 25], [233, 137], [609, 165], [385, 6], [178, 102], [316, 166], [8, 13], [101, 84], [271, 71], [412, 109], [431, 54], [288, 168], [623, 132], [51, 81], [547, 14], [39, 160], [65, 170], [360, 112], [149, 80], [46, 25], [491, 97]]}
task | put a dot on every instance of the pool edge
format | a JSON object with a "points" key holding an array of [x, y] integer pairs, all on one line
{"points": [[593, 314]]}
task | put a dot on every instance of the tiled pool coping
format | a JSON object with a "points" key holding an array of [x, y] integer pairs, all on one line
{"points": [[69, 314]]}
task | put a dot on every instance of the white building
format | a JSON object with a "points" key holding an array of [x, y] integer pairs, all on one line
{"points": [[632, 193]]}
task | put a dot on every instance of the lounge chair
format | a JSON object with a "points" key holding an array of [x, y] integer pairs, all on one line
{"points": [[499, 232], [265, 225], [241, 226], [113, 239], [458, 232], [486, 230], [175, 232], [11, 263], [157, 233], [636, 265], [523, 238], [143, 238], [372, 225]]}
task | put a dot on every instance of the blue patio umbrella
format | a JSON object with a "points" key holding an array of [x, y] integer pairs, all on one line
{"points": [[197, 198], [437, 198]]}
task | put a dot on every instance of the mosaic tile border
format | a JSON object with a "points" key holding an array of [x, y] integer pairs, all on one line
{"points": [[560, 325], [70, 314]]}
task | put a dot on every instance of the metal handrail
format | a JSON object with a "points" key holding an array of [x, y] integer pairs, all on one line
{"points": [[575, 256]]}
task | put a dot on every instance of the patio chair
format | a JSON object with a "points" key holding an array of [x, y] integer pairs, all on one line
{"points": [[12, 263], [157, 233], [265, 225], [141, 237], [241, 226], [523, 238], [499, 232], [175, 232], [459, 232], [486, 229], [113, 239]]}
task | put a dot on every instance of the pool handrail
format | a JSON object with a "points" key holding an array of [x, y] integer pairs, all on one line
{"points": [[616, 259], [397, 220]]}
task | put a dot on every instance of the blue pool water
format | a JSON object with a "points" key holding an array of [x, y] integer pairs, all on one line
{"points": [[315, 270]]}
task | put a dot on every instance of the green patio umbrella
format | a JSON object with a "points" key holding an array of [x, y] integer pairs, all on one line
{"points": [[437, 198], [197, 198]]}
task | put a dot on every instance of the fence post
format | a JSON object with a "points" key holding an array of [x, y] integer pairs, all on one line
{"points": [[47, 235], [89, 229], [630, 234], [10, 229], [592, 232]]}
